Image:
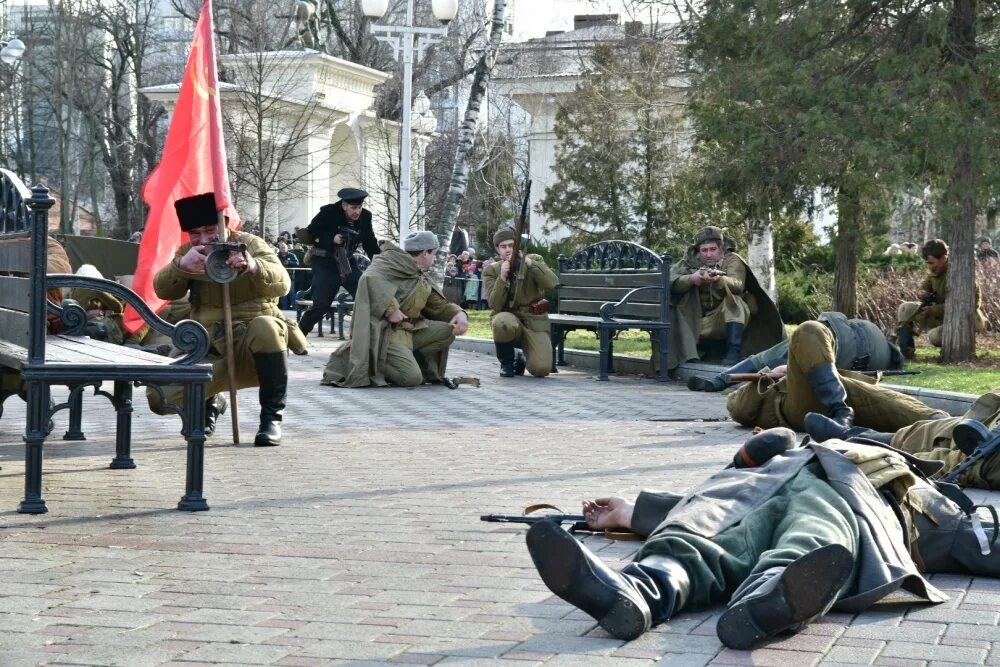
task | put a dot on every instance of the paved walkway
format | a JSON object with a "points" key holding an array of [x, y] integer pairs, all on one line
{"points": [[358, 541]]}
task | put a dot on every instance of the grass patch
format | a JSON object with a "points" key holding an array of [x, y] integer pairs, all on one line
{"points": [[975, 377]]}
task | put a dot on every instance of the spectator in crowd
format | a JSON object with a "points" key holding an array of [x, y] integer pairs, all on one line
{"points": [[289, 261]]}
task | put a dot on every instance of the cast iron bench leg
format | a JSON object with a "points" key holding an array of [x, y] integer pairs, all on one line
{"points": [[75, 431], [605, 337], [34, 439], [123, 435], [194, 432], [663, 377]]}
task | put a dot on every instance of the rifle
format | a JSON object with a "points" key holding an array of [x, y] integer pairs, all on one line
{"points": [[753, 377], [577, 520], [515, 260]]}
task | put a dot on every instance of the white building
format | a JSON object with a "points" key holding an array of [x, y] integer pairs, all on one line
{"points": [[542, 73]]}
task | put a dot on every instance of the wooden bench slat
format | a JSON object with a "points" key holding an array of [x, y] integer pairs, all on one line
{"points": [[649, 311], [15, 253], [15, 293], [14, 326], [605, 294], [80, 350], [643, 279]]}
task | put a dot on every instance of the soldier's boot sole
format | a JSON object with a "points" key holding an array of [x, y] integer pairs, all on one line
{"points": [[804, 590]]}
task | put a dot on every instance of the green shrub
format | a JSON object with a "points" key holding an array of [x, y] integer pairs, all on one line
{"points": [[802, 295]]}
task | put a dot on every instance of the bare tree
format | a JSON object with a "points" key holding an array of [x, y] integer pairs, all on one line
{"points": [[269, 134]]}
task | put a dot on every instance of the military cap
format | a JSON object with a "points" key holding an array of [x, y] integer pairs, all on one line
{"points": [[352, 195], [707, 234], [503, 234], [764, 446], [417, 241], [196, 211]]}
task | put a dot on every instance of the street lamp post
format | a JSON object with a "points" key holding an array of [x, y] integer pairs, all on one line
{"points": [[406, 47]]}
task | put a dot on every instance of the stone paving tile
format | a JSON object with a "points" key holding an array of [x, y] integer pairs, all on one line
{"points": [[355, 544]]}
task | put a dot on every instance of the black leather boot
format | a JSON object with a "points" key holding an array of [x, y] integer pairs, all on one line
{"points": [[272, 374], [721, 381], [625, 604], [734, 343], [505, 354], [214, 407], [904, 339], [803, 590], [826, 384], [520, 363]]}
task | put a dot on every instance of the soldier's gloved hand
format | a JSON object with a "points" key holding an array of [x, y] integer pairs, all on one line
{"points": [[193, 260]]}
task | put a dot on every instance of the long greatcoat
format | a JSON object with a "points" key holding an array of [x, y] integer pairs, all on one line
{"points": [[884, 561], [764, 330]]}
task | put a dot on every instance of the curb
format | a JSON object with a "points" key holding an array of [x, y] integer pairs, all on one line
{"points": [[952, 402]]}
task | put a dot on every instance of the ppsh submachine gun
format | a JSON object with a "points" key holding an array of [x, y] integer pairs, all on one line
{"points": [[217, 263]]}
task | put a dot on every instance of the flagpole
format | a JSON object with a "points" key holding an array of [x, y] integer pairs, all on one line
{"points": [[227, 316]]}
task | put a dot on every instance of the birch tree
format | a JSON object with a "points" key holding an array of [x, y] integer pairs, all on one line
{"points": [[467, 134]]}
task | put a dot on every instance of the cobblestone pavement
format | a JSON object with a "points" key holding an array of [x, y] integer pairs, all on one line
{"points": [[358, 540]]}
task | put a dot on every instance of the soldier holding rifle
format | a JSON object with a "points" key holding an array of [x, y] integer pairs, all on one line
{"points": [[928, 313], [515, 287], [261, 334]]}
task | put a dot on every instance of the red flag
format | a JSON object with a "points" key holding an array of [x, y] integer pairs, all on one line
{"points": [[193, 162]]}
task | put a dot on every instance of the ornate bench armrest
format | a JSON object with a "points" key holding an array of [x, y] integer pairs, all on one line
{"points": [[608, 309], [187, 335]]}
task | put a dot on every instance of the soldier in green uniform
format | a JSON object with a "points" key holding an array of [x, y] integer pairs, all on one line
{"points": [[929, 439], [716, 297], [514, 322], [261, 333], [860, 346], [811, 529], [928, 313], [403, 326], [812, 383]]}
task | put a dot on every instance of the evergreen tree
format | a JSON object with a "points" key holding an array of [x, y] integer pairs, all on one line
{"points": [[621, 148]]}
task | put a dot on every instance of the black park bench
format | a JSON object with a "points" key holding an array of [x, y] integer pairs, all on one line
{"points": [[609, 287], [73, 360]]}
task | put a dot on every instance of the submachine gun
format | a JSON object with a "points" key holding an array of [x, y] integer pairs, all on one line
{"points": [[217, 263]]}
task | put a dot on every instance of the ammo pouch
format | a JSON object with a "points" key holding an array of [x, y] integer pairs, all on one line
{"points": [[539, 306]]}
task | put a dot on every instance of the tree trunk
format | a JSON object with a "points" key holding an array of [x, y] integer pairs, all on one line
{"points": [[466, 136], [760, 253], [845, 275], [958, 342]]}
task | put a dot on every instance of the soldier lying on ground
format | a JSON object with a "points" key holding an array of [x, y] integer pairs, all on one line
{"points": [[812, 383], [812, 529], [859, 346], [928, 439]]}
